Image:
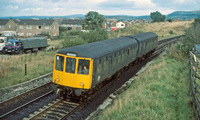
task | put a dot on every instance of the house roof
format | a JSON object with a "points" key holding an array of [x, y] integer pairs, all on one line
{"points": [[35, 22], [3, 21], [69, 21]]}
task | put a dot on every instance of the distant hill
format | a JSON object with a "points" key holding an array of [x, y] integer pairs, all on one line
{"points": [[184, 15], [75, 16], [181, 15]]}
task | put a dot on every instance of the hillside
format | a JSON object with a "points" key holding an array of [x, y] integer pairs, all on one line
{"points": [[184, 15], [181, 15]]}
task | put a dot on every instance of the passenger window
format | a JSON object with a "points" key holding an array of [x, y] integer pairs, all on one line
{"points": [[123, 55], [119, 57], [106, 63], [70, 65], [110, 64], [99, 66], [59, 63], [83, 66], [114, 59], [128, 52]]}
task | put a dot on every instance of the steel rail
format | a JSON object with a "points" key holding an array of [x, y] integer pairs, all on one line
{"points": [[30, 102]]}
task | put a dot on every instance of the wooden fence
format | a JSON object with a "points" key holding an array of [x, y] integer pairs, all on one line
{"points": [[195, 83]]}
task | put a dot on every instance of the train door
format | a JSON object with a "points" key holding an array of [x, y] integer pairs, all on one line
{"points": [[84, 73], [70, 68], [58, 69]]}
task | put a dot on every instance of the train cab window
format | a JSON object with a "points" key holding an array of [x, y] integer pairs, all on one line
{"points": [[59, 63], [83, 66], [70, 65]]}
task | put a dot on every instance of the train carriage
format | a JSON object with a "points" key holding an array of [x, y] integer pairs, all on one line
{"points": [[80, 68]]}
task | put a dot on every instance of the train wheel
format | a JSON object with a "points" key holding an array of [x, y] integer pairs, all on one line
{"points": [[59, 93]]}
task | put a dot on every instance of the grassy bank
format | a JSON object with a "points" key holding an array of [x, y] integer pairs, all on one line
{"points": [[162, 29], [13, 68], [161, 92]]}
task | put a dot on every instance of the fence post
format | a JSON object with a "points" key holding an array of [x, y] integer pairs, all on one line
{"points": [[25, 69]]}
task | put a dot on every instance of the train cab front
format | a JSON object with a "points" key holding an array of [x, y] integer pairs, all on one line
{"points": [[72, 75]]}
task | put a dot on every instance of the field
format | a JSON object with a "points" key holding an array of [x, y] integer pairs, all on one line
{"points": [[12, 69], [162, 29]]}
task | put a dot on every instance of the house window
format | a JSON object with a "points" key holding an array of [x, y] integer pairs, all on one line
{"points": [[54, 27], [20, 34], [1, 26], [78, 25], [29, 27], [21, 27], [64, 25], [9, 26], [69, 25], [28, 34], [46, 27], [39, 27]]}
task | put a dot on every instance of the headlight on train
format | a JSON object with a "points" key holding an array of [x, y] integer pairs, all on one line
{"points": [[57, 79], [82, 84]]}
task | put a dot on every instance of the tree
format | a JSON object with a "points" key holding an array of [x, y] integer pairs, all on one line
{"points": [[157, 17], [93, 21], [197, 20], [169, 20]]}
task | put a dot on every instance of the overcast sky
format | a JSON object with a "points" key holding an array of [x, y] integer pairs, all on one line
{"points": [[105, 7]]}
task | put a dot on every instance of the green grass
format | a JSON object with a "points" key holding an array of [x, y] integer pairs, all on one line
{"points": [[13, 68], [161, 93]]}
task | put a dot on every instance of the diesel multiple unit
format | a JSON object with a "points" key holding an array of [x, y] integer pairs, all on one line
{"points": [[80, 68]]}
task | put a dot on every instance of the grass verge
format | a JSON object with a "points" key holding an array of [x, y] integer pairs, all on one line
{"points": [[161, 92], [13, 67]]}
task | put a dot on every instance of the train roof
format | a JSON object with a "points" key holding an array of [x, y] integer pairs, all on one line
{"points": [[144, 36], [105, 47]]}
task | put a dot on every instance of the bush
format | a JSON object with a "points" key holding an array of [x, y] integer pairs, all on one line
{"points": [[94, 36], [192, 36], [74, 32], [171, 32], [169, 20], [70, 41]]}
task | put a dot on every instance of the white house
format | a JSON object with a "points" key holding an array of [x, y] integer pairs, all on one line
{"points": [[120, 24]]}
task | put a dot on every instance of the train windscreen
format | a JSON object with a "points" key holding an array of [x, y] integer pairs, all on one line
{"points": [[59, 63], [70, 65]]}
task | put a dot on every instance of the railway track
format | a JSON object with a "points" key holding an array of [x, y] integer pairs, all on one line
{"points": [[56, 110], [64, 109], [25, 101]]}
